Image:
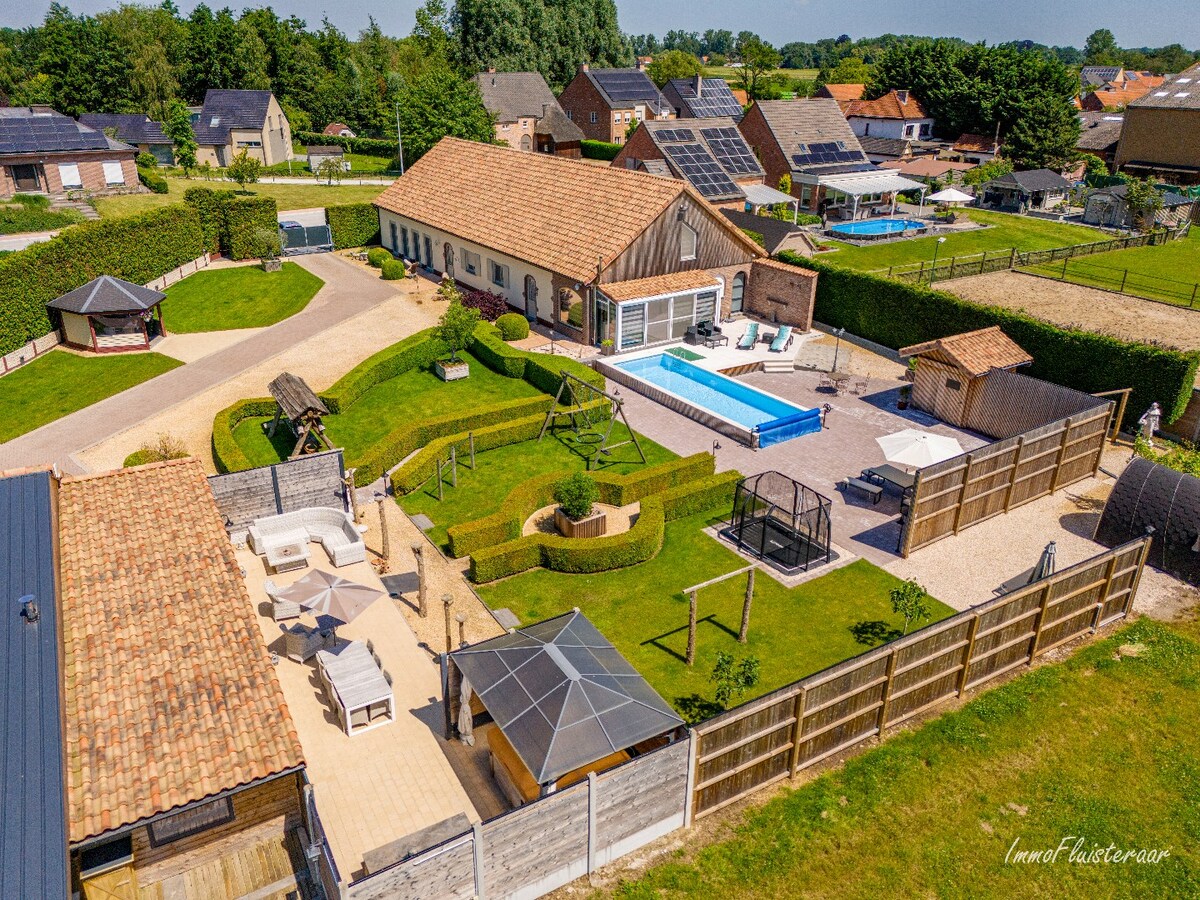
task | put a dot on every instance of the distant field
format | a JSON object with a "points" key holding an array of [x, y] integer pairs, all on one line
{"points": [[730, 74], [288, 196]]}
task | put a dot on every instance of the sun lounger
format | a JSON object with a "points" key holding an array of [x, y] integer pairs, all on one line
{"points": [[782, 340], [750, 338]]}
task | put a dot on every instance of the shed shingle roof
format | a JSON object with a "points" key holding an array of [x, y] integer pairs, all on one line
{"points": [[108, 295], [1034, 180], [170, 696], [558, 214], [976, 352]]}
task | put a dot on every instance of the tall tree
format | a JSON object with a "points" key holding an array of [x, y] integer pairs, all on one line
{"points": [[672, 64], [151, 41], [758, 60], [1101, 49], [84, 64], [1044, 137], [440, 103], [177, 125]]}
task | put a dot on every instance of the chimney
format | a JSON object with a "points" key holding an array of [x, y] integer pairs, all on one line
{"points": [[699, 83], [545, 110], [29, 608], [902, 96], [583, 67]]}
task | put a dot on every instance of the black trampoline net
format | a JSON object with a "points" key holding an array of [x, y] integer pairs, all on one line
{"points": [[781, 522]]}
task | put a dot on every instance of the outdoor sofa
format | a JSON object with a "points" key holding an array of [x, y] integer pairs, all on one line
{"points": [[332, 528]]}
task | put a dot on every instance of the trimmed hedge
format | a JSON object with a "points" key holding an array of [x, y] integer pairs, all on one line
{"points": [[589, 555], [210, 206], [248, 220], [353, 225], [897, 315], [616, 490], [377, 256], [542, 370], [416, 350], [138, 248], [227, 455], [365, 146], [151, 179], [513, 326], [599, 150]]}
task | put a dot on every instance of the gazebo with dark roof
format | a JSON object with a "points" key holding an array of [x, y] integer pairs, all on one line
{"points": [[564, 700], [108, 315]]}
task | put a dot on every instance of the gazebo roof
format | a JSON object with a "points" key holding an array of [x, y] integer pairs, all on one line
{"points": [[562, 695], [108, 295]]}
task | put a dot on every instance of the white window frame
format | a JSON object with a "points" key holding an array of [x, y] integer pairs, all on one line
{"points": [[497, 269], [70, 182], [684, 231], [594, 118], [470, 262], [114, 174]]}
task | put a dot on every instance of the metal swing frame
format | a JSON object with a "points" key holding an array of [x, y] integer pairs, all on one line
{"points": [[576, 408]]}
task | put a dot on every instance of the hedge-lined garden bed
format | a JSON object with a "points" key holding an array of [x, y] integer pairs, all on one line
{"points": [[897, 315]]}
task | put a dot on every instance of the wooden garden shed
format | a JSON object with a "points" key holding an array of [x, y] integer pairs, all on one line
{"points": [[108, 315], [951, 371]]}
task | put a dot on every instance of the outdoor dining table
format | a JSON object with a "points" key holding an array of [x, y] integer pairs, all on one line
{"points": [[891, 475], [839, 380], [357, 682]]}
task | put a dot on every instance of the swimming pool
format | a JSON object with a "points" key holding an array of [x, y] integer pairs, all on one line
{"points": [[754, 416], [878, 228]]}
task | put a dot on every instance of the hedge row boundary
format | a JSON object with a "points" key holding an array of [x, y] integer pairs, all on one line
{"points": [[896, 314], [353, 225], [599, 150], [588, 555], [365, 146]]}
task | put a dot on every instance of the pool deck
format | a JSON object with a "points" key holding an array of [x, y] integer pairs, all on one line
{"points": [[723, 359]]}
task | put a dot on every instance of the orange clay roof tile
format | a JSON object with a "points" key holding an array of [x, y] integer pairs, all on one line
{"points": [[976, 352]]}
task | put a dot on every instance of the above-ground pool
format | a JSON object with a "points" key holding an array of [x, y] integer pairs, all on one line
{"points": [[754, 416], [872, 229]]}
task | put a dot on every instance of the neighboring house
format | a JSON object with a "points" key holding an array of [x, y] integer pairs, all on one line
{"points": [[148, 751], [929, 169], [604, 102], [1097, 76], [233, 121], [811, 141], [1111, 97], [842, 93], [702, 98], [317, 155], [527, 114], [897, 115], [882, 149], [1161, 136], [1099, 134], [1021, 191], [45, 152], [976, 149], [1109, 207], [338, 129], [136, 129], [597, 253], [777, 234], [710, 154]]}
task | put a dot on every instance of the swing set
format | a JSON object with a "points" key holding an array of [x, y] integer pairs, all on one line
{"points": [[573, 402]]}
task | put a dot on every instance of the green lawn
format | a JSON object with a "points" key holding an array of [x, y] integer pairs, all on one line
{"points": [[61, 383], [1008, 231], [730, 74], [481, 492], [1168, 272], [287, 196], [415, 395], [642, 610], [242, 297], [1101, 747]]}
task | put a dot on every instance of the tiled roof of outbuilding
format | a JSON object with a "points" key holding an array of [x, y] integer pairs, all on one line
{"points": [[976, 352]]}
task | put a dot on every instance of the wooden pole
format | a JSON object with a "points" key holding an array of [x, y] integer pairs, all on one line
{"points": [[439, 480], [461, 619], [418, 550], [383, 528], [801, 701], [349, 482], [968, 652], [746, 607], [447, 602], [453, 466], [691, 647], [471, 441]]}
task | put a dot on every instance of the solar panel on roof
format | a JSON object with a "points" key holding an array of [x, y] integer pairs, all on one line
{"points": [[674, 135], [627, 85], [704, 173], [731, 150]]}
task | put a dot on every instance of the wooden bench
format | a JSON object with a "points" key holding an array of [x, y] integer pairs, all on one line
{"points": [[874, 491]]}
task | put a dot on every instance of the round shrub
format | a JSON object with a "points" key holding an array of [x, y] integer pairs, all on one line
{"points": [[576, 494], [513, 326], [393, 269], [378, 256]]}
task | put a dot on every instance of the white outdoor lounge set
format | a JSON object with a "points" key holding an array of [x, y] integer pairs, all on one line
{"points": [[284, 539]]}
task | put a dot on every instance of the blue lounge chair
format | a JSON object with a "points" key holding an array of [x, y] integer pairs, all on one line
{"points": [[782, 339], [750, 338]]}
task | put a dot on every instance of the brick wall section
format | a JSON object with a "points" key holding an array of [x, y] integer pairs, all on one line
{"points": [[580, 99], [762, 141], [91, 172], [781, 293], [640, 146]]}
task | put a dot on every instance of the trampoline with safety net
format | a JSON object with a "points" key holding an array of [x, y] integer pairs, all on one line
{"points": [[781, 521]]}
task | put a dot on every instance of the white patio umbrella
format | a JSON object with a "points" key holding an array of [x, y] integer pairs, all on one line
{"points": [[466, 724], [950, 195], [326, 594], [912, 448]]}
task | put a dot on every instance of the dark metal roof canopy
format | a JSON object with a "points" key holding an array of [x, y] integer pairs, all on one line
{"points": [[562, 695], [33, 825], [106, 294], [1151, 496]]}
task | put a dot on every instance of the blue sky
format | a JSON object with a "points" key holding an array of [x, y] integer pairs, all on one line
{"points": [[1152, 23]]}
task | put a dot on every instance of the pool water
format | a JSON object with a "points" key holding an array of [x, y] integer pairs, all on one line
{"points": [[714, 392], [877, 227]]}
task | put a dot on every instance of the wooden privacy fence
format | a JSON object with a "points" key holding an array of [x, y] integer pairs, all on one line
{"points": [[797, 726], [967, 489], [543, 845]]}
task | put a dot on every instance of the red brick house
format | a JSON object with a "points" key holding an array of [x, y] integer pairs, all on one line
{"points": [[526, 113], [605, 102], [45, 152]]}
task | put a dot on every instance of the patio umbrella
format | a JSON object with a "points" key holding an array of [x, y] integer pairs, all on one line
{"points": [[950, 195], [1045, 566], [912, 448], [323, 593], [466, 724]]}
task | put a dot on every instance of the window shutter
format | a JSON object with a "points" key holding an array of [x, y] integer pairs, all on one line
{"points": [[68, 173], [507, 281]]}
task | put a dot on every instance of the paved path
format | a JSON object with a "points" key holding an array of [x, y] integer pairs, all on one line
{"points": [[348, 291], [21, 241]]}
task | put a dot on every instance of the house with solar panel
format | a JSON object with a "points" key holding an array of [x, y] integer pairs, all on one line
{"points": [[811, 141], [45, 152], [702, 98], [136, 129], [233, 121], [605, 102], [710, 154]]}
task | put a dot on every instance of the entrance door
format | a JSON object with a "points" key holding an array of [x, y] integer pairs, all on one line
{"points": [[448, 259], [530, 298], [117, 884], [25, 178]]}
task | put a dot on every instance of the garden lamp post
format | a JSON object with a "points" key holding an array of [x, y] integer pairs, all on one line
{"points": [[837, 334], [399, 142], [936, 247]]}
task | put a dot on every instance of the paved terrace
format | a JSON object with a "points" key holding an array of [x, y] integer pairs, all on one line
{"points": [[385, 783]]}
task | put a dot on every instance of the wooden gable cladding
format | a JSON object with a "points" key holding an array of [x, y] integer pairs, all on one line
{"points": [[656, 251]]}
